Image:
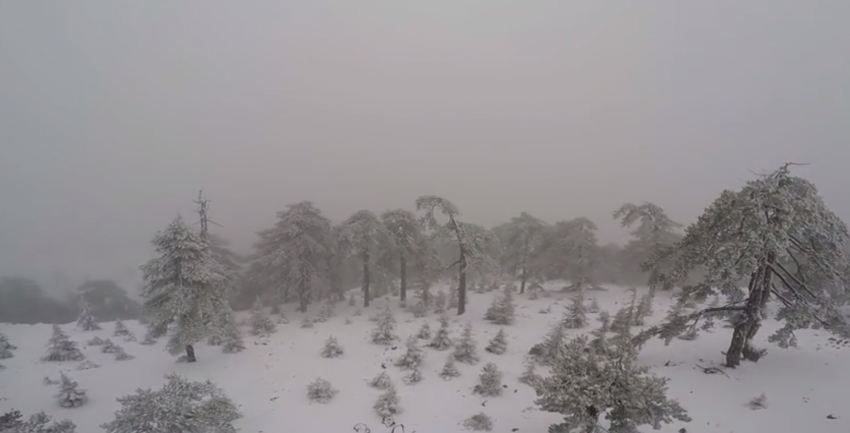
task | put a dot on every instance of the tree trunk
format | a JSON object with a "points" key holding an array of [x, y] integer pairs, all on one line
{"points": [[303, 297], [190, 353], [461, 283], [402, 263], [748, 326], [523, 278], [367, 278], [653, 282]]}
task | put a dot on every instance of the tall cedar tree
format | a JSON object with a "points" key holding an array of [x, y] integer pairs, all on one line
{"points": [[777, 233], [408, 242], [295, 253], [521, 239], [470, 242], [572, 247], [654, 232], [184, 286], [363, 234]]}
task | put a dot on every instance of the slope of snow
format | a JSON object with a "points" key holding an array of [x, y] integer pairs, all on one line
{"points": [[268, 380]]}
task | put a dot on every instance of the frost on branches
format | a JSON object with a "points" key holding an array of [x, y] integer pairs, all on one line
{"points": [[321, 391], [408, 242], [465, 351], [501, 311], [489, 381], [576, 314], [179, 406], [85, 320], [62, 348], [261, 324], [69, 394], [449, 370], [499, 344], [120, 329], [332, 349], [388, 403], [185, 289], [384, 333], [655, 231], [295, 255], [585, 385], [38, 423], [413, 357], [521, 238], [777, 233], [571, 249]]}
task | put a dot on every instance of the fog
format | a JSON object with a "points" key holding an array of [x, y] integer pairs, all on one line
{"points": [[114, 114]]}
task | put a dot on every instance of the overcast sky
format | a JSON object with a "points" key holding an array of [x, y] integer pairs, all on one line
{"points": [[114, 114]]}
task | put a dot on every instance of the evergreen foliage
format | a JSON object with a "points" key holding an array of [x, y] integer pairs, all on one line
{"points": [[85, 320], [502, 310], [6, 347], [413, 357], [576, 315], [489, 381], [449, 370], [61, 348], [321, 391], [381, 381], [499, 344], [70, 395], [465, 350], [261, 324], [388, 403], [332, 349], [384, 332]]}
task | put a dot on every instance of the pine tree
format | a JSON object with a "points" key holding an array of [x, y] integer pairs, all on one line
{"points": [[478, 422], [552, 345], [233, 342], [121, 355], [388, 403], [441, 340], [37, 423], [6, 347], [624, 318], [594, 306], [109, 347], [413, 357], [489, 381], [499, 344], [332, 349], [576, 315], [449, 370], [261, 324], [85, 321], [381, 381], [186, 287], [654, 233], [325, 313], [69, 394], [384, 333], [62, 348], [424, 332], [179, 406], [528, 376], [321, 391], [120, 329], [466, 347], [415, 376], [362, 235], [502, 310]]}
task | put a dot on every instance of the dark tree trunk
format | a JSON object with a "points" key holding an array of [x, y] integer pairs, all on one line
{"points": [[304, 296], [367, 278], [402, 263], [461, 283], [523, 278], [190, 353], [750, 322], [653, 282]]}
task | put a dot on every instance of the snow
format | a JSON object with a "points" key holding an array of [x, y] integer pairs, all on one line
{"points": [[268, 381]]}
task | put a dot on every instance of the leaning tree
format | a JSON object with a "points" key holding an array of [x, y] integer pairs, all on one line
{"points": [[470, 241], [364, 234], [654, 231], [777, 234]]}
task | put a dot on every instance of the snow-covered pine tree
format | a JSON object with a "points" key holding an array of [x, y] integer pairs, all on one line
{"points": [[449, 370], [489, 381], [408, 242], [502, 310], [499, 344], [37, 423], [654, 233], [70, 395], [413, 357], [85, 320], [381, 381], [478, 422], [424, 332], [778, 233], [6, 347], [528, 376], [363, 235], [109, 347], [570, 250], [415, 376], [551, 347], [179, 406], [121, 355], [576, 315], [321, 391], [185, 289], [384, 332], [388, 403], [296, 254], [594, 306], [325, 312], [120, 329], [232, 341], [62, 348], [521, 238], [466, 348], [632, 395], [625, 317], [261, 323], [332, 349], [441, 340]]}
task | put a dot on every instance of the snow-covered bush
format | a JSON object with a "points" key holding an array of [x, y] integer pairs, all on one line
{"points": [[321, 391], [70, 395], [332, 349], [325, 313], [624, 319], [6, 347], [85, 321], [121, 355], [179, 406], [48, 381], [424, 332], [757, 403], [381, 381], [307, 322], [479, 422], [62, 348], [388, 403], [149, 340], [499, 344], [594, 306], [120, 329], [413, 357], [502, 310], [233, 342], [38, 423], [632, 396], [415, 376], [489, 381], [576, 315], [551, 346], [87, 365], [465, 351], [261, 324], [441, 340], [449, 370], [384, 332], [109, 347]]}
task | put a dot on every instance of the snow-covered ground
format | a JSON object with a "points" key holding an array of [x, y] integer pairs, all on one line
{"points": [[805, 387]]}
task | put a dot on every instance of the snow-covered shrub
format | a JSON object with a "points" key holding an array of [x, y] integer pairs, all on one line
{"points": [[502, 310], [384, 332], [381, 381], [307, 322], [48, 381], [424, 332], [624, 319], [62, 348], [449, 370], [757, 403], [120, 329], [321, 391], [85, 321], [499, 344], [412, 358], [441, 302], [37, 423], [632, 397], [109, 347], [388, 403], [69, 394], [576, 315], [87, 365], [121, 355], [415, 376], [179, 406], [332, 349], [325, 313], [551, 347], [489, 381], [261, 324], [465, 351], [441, 340], [594, 306], [419, 309], [233, 342], [479, 422], [149, 340], [6, 347]]}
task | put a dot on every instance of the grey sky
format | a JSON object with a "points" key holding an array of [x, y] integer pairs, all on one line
{"points": [[114, 114]]}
